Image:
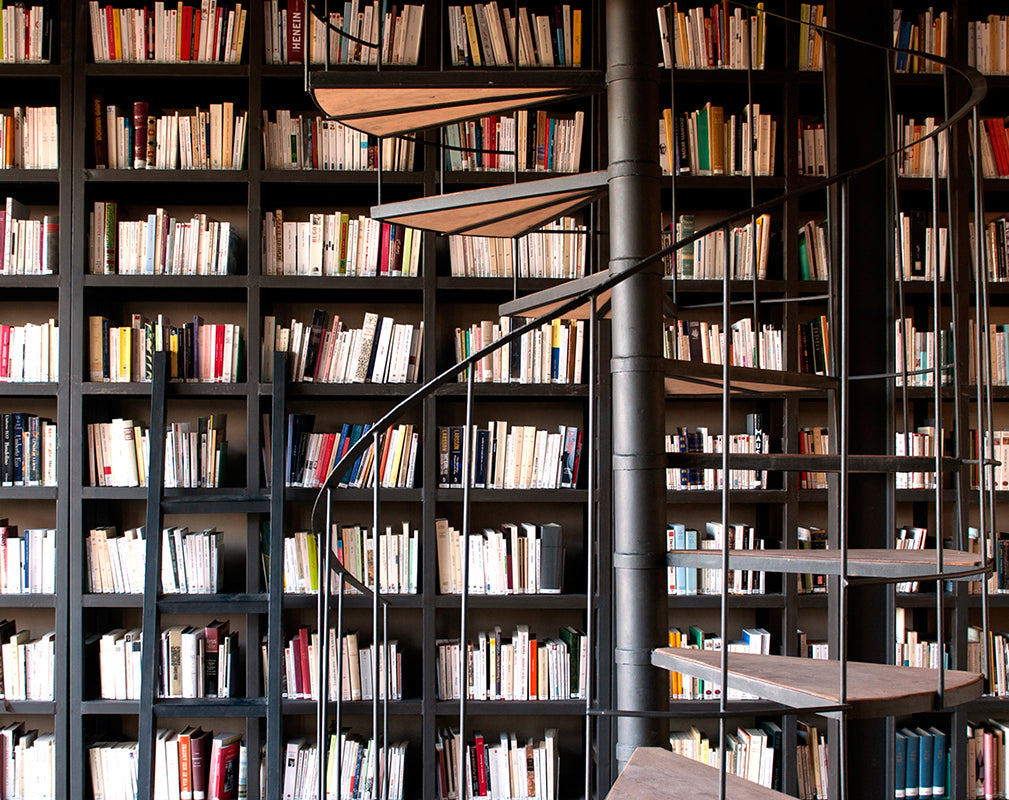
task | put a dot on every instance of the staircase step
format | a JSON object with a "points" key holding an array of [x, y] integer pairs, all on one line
{"points": [[656, 774], [895, 565], [507, 211], [874, 690]]}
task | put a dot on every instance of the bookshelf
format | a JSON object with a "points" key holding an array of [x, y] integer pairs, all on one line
{"points": [[78, 716]]}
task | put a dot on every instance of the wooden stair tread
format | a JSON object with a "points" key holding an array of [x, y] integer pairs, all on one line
{"points": [[874, 690], [864, 563], [656, 774]]}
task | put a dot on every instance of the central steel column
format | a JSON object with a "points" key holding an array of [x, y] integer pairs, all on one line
{"points": [[639, 489]]}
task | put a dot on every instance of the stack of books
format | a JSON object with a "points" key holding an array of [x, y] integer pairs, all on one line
{"points": [[494, 35], [703, 38], [30, 138], [362, 768], [311, 142], [30, 353], [301, 667], [27, 450], [536, 255], [30, 246], [505, 766], [552, 353]]}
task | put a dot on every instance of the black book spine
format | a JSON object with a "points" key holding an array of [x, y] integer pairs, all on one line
{"points": [[8, 449], [19, 427], [551, 558]]}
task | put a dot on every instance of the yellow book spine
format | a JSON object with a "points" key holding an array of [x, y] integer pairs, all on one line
{"points": [[576, 37], [117, 34], [125, 354]]}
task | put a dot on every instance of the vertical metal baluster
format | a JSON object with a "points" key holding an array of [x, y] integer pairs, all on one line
{"points": [[724, 607], [378, 168], [516, 244], [842, 618], [322, 696], [329, 34], [937, 400], [986, 494], [339, 687], [467, 467], [376, 592], [753, 201], [387, 684], [590, 534], [672, 182]]}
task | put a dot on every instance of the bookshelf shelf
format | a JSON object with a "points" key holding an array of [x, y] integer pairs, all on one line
{"points": [[309, 601], [188, 177], [576, 496], [397, 708], [28, 492], [738, 601], [47, 283], [775, 462], [739, 496], [211, 707], [142, 389], [518, 601], [159, 283], [508, 708], [174, 70], [694, 378], [344, 390], [21, 176], [529, 391], [339, 177], [234, 603], [29, 389], [874, 690]]}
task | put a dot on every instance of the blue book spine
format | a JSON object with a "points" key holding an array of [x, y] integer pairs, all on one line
{"points": [[938, 762], [911, 764], [692, 572], [924, 763], [680, 543], [899, 769]]}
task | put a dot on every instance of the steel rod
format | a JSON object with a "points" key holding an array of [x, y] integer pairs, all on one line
{"points": [[376, 592], [467, 467], [724, 587], [339, 688], [843, 521], [937, 401], [590, 539], [322, 694]]}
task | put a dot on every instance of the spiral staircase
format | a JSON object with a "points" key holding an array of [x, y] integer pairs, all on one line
{"points": [[839, 688]]}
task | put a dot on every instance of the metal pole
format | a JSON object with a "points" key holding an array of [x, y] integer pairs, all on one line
{"points": [[467, 467], [639, 590], [322, 697], [723, 607], [376, 589], [590, 534]]}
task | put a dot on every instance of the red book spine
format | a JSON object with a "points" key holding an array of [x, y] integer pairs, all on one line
{"points": [[185, 773], [5, 343], [110, 26], [187, 33], [306, 675], [296, 658], [533, 669], [295, 31], [219, 353], [481, 764], [194, 46], [327, 451], [386, 230]]}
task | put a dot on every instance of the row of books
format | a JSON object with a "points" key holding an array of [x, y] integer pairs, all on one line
{"points": [[294, 32], [691, 580], [559, 251], [998, 338], [502, 767], [920, 762], [750, 753], [198, 352], [910, 652], [515, 457], [30, 353], [362, 774], [704, 259], [489, 35], [994, 147], [917, 247], [814, 346], [29, 762], [26, 33], [687, 687], [355, 678], [119, 453], [29, 138], [928, 33], [202, 32], [701, 38], [998, 655], [381, 351], [814, 255], [813, 440], [210, 139], [811, 54], [706, 142], [986, 753], [190, 560], [702, 342], [354, 547], [535, 141], [30, 246], [996, 446], [339, 244], [309, 142], [160, 244], [311, 455], [28, 664], [987, 41], [996, 237], [812, 149], [28, 560], [919, 442], [551, 353], [187, 763], [522, 667], [702, 440], [917, 351], [920, 158], [27, 450], [194, 661], [527, 558]]}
